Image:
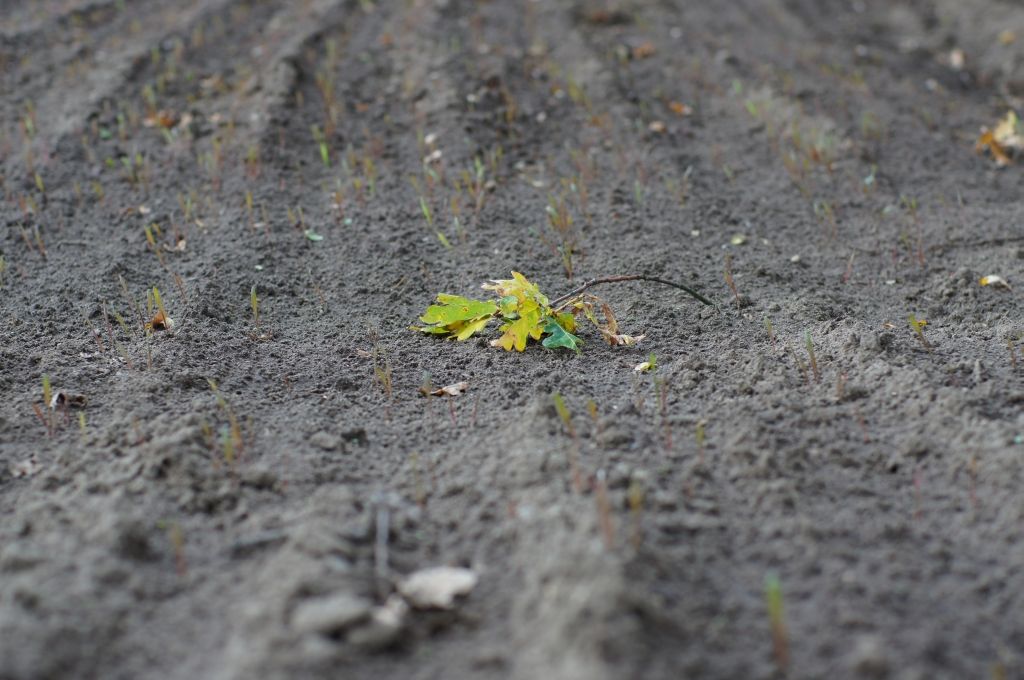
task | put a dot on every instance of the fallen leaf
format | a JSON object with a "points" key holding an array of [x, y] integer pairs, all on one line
{"points": [[159, 322], [995, 281], [1008, 132], [437, 587], [738, 240], [65, 399], [1006, 139], [517, 332], [656, 126], [644, 50], [453, 390], [1007, 37], [178, 247], [560, 337], [163, 118], [25, 468], [625, 340], [455, 308], [680, 109], [646, 366], [607, 17]]}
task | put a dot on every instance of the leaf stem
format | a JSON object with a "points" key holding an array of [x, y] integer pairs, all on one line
{"points": [[629, 277]]}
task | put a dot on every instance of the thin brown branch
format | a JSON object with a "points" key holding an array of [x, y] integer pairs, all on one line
{"points": [[629, 277]]}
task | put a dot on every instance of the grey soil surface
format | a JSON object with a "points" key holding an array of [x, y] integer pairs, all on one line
{"points": [[821, 151]]}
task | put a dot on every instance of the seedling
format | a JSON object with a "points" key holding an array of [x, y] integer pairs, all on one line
{"points": [[918, 326], [917, 493], [826, 215], [381, 366], [161, 321], [151, 240], [592, 412], [254, 303], [972, 471], [131, 301], [800, 363], [574, 451], [561, 222], [232, 442], [635, 496], [909, 204], [604, 509], [661, 387], [420, 490], [770, 330], [813, 359], [177, 539], [776, 618], [525, 313], [729, 280], [700, 435], [47, 410]]}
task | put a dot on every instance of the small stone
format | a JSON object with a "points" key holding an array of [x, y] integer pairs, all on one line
{"points": [[437, 587], [133, 541], [328, 615], [326, 441], [868, 658], [259, 477], [356, 435], [384, 625]]}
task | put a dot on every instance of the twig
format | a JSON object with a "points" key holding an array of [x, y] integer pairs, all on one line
{"points": [[629, 277]]}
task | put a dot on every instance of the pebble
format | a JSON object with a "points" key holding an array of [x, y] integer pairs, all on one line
{"points": [[333, 614], [326, 441]]}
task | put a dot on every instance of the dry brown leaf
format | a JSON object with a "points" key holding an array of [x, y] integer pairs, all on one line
{"points": [[159, 322], [680, 109], [644, 50], [25, 468], [1003, 141], [452, 390], [994, 281], [162, 118], [69, 400], [623, 340]]}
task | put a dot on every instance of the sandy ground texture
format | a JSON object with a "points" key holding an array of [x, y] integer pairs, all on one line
{"points": [[237, 497]]}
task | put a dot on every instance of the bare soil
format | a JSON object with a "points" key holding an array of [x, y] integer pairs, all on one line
{"points": [[819, 154]]}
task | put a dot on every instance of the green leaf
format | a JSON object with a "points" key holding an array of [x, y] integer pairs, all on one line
{"points": [[509, 304], [567, 321], [529, 324], [437, 330], [312, 235], [453, 308], [471, 327], [559, 337]]}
